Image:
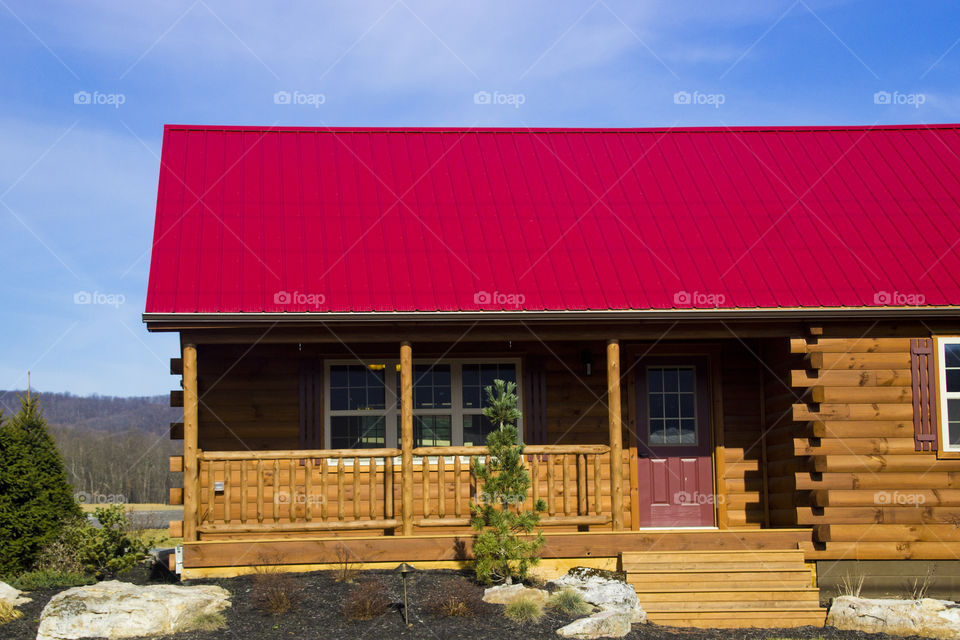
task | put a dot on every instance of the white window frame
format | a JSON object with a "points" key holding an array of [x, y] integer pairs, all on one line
{"points": [[944, 394], [391, 411]]}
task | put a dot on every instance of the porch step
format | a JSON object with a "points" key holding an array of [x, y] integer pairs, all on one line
{"points": [[725, 589]]}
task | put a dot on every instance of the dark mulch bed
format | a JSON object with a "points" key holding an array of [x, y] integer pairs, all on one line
{"points": [[317, 613]]}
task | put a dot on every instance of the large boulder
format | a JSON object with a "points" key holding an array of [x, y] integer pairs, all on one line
{"points": [[609, 623], [927, 617], [507, 593], [605, 590], [122, 610], [12, 596]]}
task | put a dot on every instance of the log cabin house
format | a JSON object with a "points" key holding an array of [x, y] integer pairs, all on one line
{"points": [[737, 351]]}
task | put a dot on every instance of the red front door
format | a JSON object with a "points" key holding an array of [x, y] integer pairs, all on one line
{"points": [[675, 479]]}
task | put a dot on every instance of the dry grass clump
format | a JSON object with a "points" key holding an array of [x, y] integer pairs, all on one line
{"points": [[524, 609], [8, 613], [274, 591], [366, 600], [207, 622], [346, 570], [570, 602], [454, 598]]}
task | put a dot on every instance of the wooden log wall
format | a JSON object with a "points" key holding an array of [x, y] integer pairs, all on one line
{"points": [[870, 494]]}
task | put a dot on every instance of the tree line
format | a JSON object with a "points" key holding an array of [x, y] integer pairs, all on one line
{"points": [[114, 449]]}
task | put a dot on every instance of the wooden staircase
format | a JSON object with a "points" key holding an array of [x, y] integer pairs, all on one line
{"points": [[724, 589]]}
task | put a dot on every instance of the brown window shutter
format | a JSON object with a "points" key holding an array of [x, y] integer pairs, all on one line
{"points": [[924, 377], [311, 404], [535, 388]]}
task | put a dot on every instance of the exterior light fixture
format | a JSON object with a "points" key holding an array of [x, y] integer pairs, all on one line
{"points": [[586, 358], [403, 570]]}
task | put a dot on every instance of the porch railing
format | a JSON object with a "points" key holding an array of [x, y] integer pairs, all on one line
{"points": [[318, 490]]}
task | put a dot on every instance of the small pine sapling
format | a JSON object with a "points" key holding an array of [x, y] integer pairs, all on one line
{"points": [[503, 550]]}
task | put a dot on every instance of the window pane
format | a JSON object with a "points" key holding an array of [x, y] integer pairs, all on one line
{"points": [[431, 386], [357, 432], [655, 379], [952, 355], [953, 380], [429, 431], [657, 435], [353, 387], [670, 380], [953, 409], [475, 430], [656, 405], [477, 377], [954, 434], [671, 405]]}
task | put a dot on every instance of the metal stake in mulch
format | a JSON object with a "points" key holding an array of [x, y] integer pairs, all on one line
{"points": [[403, 570]]}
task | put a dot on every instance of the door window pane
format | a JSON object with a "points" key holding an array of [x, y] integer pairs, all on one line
{"points": [[356, 387], [357, 432], [671, 406]]}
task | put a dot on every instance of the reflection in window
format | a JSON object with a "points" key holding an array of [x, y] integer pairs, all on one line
{"points": [[671, 405], [430, 431], [477, 377], [356, 387], [951, 373], [357, 432]]}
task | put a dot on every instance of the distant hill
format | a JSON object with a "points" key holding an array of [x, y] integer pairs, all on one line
{"points": [[101, 413], [114, 449]]}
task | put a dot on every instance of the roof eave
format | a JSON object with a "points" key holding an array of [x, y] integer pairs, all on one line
{"points": [[560, 316]]}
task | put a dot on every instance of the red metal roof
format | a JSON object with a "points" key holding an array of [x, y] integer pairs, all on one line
{"points": [[429, 219]]}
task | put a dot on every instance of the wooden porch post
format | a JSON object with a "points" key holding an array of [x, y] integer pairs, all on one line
{"points": [[406, 436], [191, 420], [616, 436]]}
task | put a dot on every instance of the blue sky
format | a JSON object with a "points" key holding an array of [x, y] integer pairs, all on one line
{"points": [[87, 87]]}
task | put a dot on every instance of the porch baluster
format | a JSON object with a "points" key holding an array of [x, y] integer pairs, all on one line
{"points": [[211, 494], [441, 487], [340, 481], [597, 483], [388, 510], [227, 493], [565, 461], [425, 460], [276, 490], [308, 489], [324, 489], [260, 490], [372, 480], [356, 488], [551, 502], [582, 485], [457, 487], [244, 489], [293, 502]]}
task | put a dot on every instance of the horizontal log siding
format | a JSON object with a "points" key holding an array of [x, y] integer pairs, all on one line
{"points": [[869, 494]]}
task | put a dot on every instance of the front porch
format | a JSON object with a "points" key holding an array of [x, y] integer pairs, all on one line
{"points": [[602, 448]]}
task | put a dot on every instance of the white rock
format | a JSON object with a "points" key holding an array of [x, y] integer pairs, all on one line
{"points": [[609, 623], [507, 593], [122, 610], [604, 592], [928, 617], [11, 596]]}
